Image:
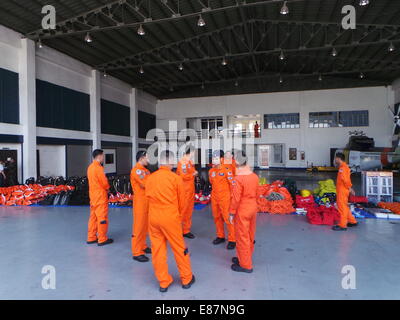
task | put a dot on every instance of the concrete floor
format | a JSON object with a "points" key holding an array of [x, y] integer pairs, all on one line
{"points": [[292, 260]]}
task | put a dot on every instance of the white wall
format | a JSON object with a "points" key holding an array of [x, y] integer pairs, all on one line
{"points": [[52, 160], [315, 142]]}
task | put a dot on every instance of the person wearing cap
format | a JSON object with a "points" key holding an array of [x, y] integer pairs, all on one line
{"points": [[221, 177], [139, 175]]}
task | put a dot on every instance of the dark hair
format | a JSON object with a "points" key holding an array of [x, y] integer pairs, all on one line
{"points": [[140, 154], [96, 153], [341, 156]]}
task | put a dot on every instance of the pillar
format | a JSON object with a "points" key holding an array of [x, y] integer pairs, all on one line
{"points": [[95, 109], [27, 101], [133, 122]]}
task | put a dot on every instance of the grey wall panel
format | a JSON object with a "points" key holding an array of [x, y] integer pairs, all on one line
{"points": [[78, 159]]}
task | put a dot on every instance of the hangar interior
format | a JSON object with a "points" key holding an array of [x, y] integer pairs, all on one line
{"points": [[284, 74]]}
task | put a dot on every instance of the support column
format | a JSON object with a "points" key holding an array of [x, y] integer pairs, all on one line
{"points": [[95, 109], [134, 124], [27, 101]]}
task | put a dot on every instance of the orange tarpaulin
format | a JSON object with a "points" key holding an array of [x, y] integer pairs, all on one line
{"points": [[284, 206]]}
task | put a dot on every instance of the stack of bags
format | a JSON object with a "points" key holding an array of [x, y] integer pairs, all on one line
{"points": [[275, 199], [26, 195], [392, 206], [120, 199]]}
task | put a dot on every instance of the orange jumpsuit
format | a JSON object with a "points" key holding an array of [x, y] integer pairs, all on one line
{"points": [[98, 194], [343, 186], [244, 207], [230, 165], [221, 179], [186, 171], [139, 176], [164, 190]]}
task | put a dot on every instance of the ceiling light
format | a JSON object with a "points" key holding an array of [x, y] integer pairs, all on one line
{"points": [[285, 9], [141, 31], [180, 67], [141, 70], [320, 77], [280, 79], [105, 74], [224, 62], [202, 86], [171, 88], [334, 52], [364, 2], [201, 22], [88, 38], [362, 76], [236, 83], [282, 56], [391, 47], [39, 44]]}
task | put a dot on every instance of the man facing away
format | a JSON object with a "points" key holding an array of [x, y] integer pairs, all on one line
{"points": [[221, 178], [343, 190], [186, 170], [98, 194], [164, 190], [243, 214], [139, 175]]}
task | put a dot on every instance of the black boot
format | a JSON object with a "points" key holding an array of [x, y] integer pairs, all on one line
{"points": [[141, 258], [235, 260], [187, 286], [218, 241], [231, 245], [163, 290], [189, 235], [108, 241], [91, 242], [147, 250], [338, 228], [237, 268], [352, 225]]}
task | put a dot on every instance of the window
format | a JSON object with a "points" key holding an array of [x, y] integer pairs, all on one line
{"points": [[210, 124], [339, 119], [282, 121]]}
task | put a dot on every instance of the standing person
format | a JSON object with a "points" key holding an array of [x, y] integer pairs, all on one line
{"points": [[164, 190], [343, 190], [243, 214], [139, 175], [11, 172], [2, 175], [220, 178], [186, 170], [256, 130], [229, 162], [98, 194]]}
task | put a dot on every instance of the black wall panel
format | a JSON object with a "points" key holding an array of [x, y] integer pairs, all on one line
{"points": [[9, 96], [146, 122], [115, 118], [61, 108]]}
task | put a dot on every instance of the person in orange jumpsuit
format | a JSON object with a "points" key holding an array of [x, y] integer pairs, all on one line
{"points": [[343, 190], [165, 192], [220, 177], [243, 214], [98, 194], [229, 162], [187, 171], [139, 175]]}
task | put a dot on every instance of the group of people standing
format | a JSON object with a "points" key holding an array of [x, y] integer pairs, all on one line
{"points": [[8, 173], [163, 204]]}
